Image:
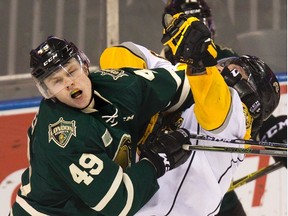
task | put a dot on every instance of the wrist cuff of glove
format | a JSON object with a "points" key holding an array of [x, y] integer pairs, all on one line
{"points": [[160, 171], [152, 157], [208, 60], [196, 69]]}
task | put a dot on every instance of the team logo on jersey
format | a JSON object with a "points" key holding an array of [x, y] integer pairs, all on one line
{"points": [[276, 86], [62, 131], [115, 74], [248, 117]]}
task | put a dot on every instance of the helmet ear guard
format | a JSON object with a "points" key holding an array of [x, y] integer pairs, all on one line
{"points": [[249, 97], [260, 92], [265, 81]]}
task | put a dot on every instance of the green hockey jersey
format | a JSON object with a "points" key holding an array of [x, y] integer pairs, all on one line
{"points": [[83, 162]]}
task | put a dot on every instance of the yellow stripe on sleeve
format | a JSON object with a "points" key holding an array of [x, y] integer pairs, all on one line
{"points": [[212, 98]]}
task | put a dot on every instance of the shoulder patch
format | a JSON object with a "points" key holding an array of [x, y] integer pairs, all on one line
{"points": [[62, 131], [107, 138], [115, 74]]}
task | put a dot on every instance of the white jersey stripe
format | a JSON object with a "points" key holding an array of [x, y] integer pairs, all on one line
{"points": [[27, 207], [111, 192], [184, 94], [130, 195]]}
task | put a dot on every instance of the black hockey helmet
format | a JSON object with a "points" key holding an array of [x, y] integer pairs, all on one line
{"points": [[262, 79], [196, 8], [49, 55]]}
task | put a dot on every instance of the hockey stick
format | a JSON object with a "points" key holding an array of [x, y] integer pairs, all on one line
{"points": [[240, 141], [257, 174], [271, 152]]}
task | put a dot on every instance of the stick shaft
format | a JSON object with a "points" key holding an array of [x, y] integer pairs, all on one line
{"points": [[252, 176], [271, 152], [240, 141]]}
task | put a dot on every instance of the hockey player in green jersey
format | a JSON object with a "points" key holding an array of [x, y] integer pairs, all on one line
{"points": [[83, 140]]}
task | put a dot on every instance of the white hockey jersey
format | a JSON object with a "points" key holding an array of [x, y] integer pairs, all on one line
{"points": [[197, 187]]}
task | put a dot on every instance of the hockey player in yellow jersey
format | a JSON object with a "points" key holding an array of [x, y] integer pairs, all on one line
{"points": [[197, 187]]}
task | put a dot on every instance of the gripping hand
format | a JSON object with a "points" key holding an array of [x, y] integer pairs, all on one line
{"points": [[166, 152], [189, 39]]}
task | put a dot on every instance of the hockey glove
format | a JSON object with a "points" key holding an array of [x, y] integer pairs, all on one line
{"points": [[166, 152], [190, 40], [283, 160]]}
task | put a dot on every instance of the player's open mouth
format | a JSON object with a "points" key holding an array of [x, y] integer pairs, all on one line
{"points": [[76, 93]]}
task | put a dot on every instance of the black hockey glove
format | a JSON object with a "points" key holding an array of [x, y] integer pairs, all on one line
{"points": [[166, 152], [190, 41], [283, 160]]}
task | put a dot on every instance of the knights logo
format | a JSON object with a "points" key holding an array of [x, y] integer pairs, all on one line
{"points": [[62, 131], [115, 74]]}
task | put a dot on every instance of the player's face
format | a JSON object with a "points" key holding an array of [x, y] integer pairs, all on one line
{"points": [[71, 85]]}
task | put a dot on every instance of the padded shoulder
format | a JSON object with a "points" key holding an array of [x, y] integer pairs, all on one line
{"points": [[124, 55]]}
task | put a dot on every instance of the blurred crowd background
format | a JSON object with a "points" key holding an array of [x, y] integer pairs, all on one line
{"points": [[256, 27]]}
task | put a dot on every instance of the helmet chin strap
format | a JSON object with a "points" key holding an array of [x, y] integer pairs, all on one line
{"points": [[91, 102]]}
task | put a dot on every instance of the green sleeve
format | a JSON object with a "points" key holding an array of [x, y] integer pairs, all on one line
{"points": [[102, 185], [146, 91], [83, 168], [224, 52]]}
